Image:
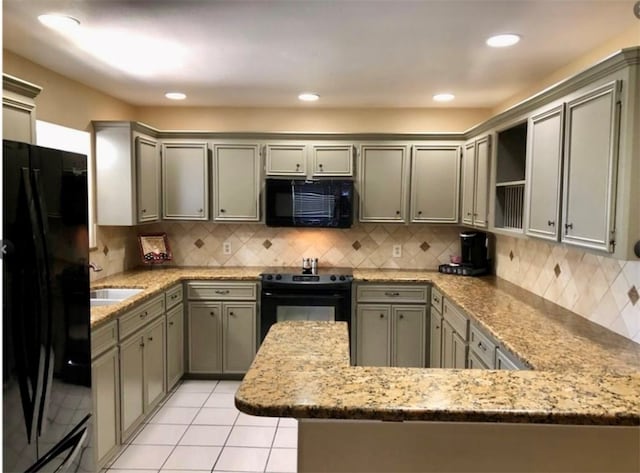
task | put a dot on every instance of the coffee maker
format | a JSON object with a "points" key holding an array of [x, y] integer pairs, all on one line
{"points": [[473, 259]]}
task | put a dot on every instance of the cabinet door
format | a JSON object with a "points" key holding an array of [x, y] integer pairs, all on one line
{"points": [[373, 335], [475, 362], [239, 338], [148, 180], [205, 337], [175, 345], [447, 345], [409, 330], [236, 185], [590, 168], [383, 183], [184, 181], [468, 182], [154, 363], [286, 160], [332, 160], [435, 184], [503, 362], [105, 384], [481, 195], [544, 165], [131, 384], [459, 351], [435, 347]]}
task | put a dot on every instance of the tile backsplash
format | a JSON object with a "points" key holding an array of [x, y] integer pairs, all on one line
{"points": [[601, 289], [116, 251]]}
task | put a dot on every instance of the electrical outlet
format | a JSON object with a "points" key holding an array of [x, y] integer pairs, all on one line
{"points": [[397, 251], [226, 247]]}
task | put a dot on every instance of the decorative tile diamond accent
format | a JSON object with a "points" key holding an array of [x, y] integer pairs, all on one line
{"points": [[557, 270], [511, 255], [356, 245], [425, 246], [199, 243], [267, 244], [105, 250], [633, 295]]}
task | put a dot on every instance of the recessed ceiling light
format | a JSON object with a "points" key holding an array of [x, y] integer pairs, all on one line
{"points": [[59, 22], [503, 40], [446, 97], [308, 97], [175, 95]]}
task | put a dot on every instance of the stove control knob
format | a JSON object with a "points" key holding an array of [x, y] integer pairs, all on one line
{"points": [[278, 277], [342, 278], [333, 277], [269, 277]]}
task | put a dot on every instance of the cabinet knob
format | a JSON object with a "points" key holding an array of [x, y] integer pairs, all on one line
{"points": [[232, 314], [200, 210], [222, 210], [212, 313], [320, 166], [143, 315], [141, 344], [170, 323], [150, 339], [419, 212], [475, 214], [382, 316], [480, 345], [297, 166], [402, 316], [144, 211], [551, 223], [469, 214], [437, 327], [437, 300], [397, 212], [175, 296], [568, 226]]}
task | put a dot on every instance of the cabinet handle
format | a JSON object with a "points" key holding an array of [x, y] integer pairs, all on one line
{"points": [[551, 223], [568, 226], [222, 291], [382, 316], [150, 339], [480, 345], [392, 294], [436, 299], [475, 214], [175, 296], [222, 211], [437, 327], [143, 315], [170, 323], [144, 211], [141, 344]]}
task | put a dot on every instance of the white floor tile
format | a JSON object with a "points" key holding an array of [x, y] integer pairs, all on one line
{"points": [[227, 387], [256, 421], [283, 460], [216, 416], [206, 435], [159, 434], [181, 471], [242, 436], [220, 400], [242, 459], [192, 458], [197, 386], [287, 422], [187, 399], [174, 415], [286, 438], [143, 456], [113, 470]]}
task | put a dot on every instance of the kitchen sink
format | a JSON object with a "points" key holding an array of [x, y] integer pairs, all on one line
{"points": [[100, 302], [100, 297]]}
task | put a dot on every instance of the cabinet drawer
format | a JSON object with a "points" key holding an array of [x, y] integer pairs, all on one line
{"points": [[173, 296], [476, 362], [436, 299], [104, 338], [222, 291], [456, 318], [482, 346], [392, 294], [138, 317]]}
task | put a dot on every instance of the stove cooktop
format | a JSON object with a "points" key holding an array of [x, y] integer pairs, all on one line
{"points": [[289, 275]]}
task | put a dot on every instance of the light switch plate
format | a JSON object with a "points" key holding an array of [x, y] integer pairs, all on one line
{"points": [[226, 247], [397, 251]]}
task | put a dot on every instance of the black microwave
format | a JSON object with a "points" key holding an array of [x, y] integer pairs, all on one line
{"points": [[299, 203]]}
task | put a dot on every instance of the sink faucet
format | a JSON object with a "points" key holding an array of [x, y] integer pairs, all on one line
{"points": [[95, 267]]}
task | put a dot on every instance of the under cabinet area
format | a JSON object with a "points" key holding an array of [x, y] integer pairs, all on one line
{"points": [[391, 325], [222, 327]]}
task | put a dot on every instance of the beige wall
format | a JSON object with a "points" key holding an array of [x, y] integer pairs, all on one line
{"points": [[390, 120], [628, 38]]}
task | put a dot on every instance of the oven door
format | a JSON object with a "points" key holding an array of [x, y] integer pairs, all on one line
{"points": [[279, 305]]}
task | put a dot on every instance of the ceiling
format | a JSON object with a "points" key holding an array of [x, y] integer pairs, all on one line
{"points": [[374, 53]]}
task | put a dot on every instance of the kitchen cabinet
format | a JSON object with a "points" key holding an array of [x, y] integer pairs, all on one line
{"points": [[391, 334], [384, 182], [286, 159], [221, 326], [506, 362], [435, 332], [185, 178], [19, 109], [332, 160], [454, 337], [435, 184], [475, 182], [175, 335], [544, 166], [474, 362], [511, 158], [236, 182], [127, 174], [105, 386], [482, 347]]}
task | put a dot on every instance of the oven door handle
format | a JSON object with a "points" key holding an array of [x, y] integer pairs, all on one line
{"points": [[298, 296]]}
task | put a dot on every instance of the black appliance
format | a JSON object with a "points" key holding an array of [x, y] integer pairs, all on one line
{"points": [[298, 203], [46, 372], [473, 251], [296, 296]]}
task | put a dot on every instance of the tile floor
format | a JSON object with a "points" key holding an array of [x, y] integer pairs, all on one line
{"points": [[198, 428]]}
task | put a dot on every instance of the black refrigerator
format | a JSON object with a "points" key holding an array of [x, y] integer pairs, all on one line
{"points": [[46, 376]]}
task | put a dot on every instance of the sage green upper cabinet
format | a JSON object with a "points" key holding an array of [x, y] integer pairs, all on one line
{"points": [[332, 160], [148, 180], [236, 182], [590, 166], [435, 184], [544, 173], [127, 174], [475, 182], [383, 183], [286, 159], [185, 174]]}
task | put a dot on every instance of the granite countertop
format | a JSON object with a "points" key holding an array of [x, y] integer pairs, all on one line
{"points": [[581, 373]]}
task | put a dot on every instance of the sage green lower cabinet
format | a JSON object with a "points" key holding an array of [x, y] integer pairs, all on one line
{"points": [[435, 336], [506, 362], [455, 332], [408, 336], [373, 335], [475, 362], [205, 337], [239, 336], [175, 345]]}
